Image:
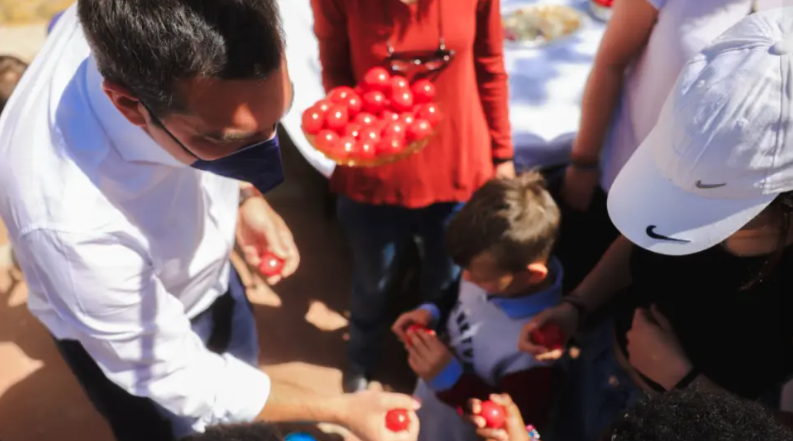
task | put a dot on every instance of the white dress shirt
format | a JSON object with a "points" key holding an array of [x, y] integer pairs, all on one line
{"points": [[121, 245]]}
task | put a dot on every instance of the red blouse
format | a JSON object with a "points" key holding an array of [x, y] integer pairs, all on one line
{"points": [[472, 92]]}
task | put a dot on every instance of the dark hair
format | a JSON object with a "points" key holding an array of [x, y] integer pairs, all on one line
{"points": [[148, 46], [515, 219], [783, 207], [238, 432], [11, 70], [696, 415]]}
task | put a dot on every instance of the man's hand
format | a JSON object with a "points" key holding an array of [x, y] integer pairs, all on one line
{"points": [[505, 170], [427, 355], [514, 427], [261, 229], [653, 349], [364, 414], [418, 316]]}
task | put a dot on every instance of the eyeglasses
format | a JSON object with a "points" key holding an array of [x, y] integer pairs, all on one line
{"points": [[419, 62]]}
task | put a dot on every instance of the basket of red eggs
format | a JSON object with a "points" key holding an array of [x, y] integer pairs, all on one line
{"points": [[382, 120]]}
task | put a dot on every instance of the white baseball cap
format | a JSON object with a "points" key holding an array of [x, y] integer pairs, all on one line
{"points": [[723, 146]]}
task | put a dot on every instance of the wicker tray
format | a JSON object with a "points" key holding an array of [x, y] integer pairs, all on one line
{"points": [[410, 149]]}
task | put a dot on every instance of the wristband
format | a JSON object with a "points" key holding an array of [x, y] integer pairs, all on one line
{"points": [[688, 379]]}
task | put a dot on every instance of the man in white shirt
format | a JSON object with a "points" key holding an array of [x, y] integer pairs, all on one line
{"points": [[123, 151]]}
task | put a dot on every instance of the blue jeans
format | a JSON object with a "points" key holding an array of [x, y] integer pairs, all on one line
{"points": [[133, 418], [378, 236], [598, 390]]}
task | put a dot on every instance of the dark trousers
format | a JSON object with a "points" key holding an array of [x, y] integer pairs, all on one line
{"points": [[133, 418]]}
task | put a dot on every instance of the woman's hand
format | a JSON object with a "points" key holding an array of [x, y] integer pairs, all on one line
{"points": [[578, 187], [514, 426], [654, 350], [565, 316], [261, 229], [427, 355]]}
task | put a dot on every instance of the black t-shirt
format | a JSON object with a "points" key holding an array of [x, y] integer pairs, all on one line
{"points": [[740, 339]]}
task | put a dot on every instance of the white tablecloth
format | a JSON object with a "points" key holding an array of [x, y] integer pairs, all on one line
{"points": [[546, 84]]}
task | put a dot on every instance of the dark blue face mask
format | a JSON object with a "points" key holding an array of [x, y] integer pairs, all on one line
{"points": [[258, 164]]}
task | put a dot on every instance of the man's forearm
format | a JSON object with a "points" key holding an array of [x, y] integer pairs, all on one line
{"points": [[291, 403]]}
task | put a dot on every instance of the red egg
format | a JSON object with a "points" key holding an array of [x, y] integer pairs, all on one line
{"points": [[429, 112], [389, 116], [369, 134], [407, 118], [271, 265], [346, 146], [397, 420], [377, 79], [366, 150], [326, 140], [394, 129], [494, 415], [423, 91], [549, 336], [340, 94], [359, 90], [323, 106], [402, 100], [354, 105], [420, 129], [365, 119], [374, 102], [353, 129], [313, 121], [337, 118], [399, 82], [390, 145]]}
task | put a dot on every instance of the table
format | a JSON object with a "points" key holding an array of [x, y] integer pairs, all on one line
{"points": [[546, 84]]}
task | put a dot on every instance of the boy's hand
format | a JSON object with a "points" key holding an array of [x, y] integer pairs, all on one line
{"points": [[419, 316], [364, 413], [514, 427], [565, 316], [427, 355]]}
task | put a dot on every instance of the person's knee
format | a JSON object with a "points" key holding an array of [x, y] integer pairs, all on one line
{"points": [[238, 432]]}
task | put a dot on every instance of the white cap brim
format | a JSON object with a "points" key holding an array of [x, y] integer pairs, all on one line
{"points": [[645, 206]]}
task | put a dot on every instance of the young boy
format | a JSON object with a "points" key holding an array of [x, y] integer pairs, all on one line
{"points": [[502, 239]]}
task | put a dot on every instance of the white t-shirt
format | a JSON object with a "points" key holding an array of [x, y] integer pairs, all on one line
{"points": [[683, 29], [483, 334]]}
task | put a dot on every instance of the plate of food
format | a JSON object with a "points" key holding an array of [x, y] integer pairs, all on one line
{"points": [[537, 25]]}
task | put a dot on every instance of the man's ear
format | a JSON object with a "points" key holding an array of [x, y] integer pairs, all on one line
{"points": [[537, 272], [126, 103]]}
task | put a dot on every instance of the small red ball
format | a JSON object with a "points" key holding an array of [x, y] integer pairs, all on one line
{"points": [[397, 420]]}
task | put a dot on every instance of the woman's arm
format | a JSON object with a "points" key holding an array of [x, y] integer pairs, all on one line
{"points": [[330, 27], [492, 77], [607, 278], [630, 26]]}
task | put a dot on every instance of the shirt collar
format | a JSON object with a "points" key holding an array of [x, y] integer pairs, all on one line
{"points": [[131, 142], [527, 306]]}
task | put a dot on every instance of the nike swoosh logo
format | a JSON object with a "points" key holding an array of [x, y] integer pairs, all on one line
{"points": [[651, 232], [701, 185]]}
